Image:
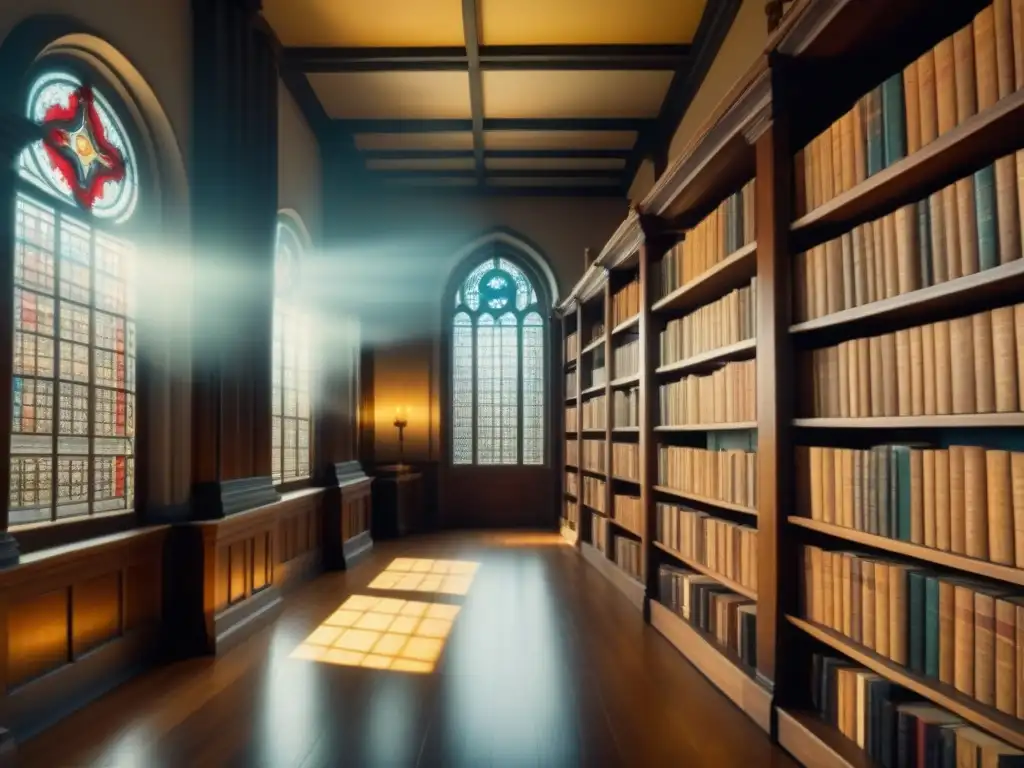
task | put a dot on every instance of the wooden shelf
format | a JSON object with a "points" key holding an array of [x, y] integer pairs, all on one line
{"points": [[571, 399], [717, 664], [967, 420], [928, 304], [814, 742], [598, 342], [591, 509], [994, 571], [736, 587], [987, 718], [979, 140], [732, 272], [630, 587], [569, 534], [625, 381], [625, 479], [625, 325], [597, 389], [593, 431], [705, 500], [626, 430], [724, 426], [595, 472], [743, 350], [570, 363], [626, 528]]}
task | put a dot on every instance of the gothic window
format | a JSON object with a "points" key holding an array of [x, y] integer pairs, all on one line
{"points": [[73, 415], [291, 385], [497, 367]]}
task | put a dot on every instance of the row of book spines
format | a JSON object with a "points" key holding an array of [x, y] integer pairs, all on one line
{"points": [[571, 482], [711, 607], [598, 376], [894, 727], [729, 475], [572, 346], [626, 359], [596, 332], [964, 499], [572, 511], [599, 532], [570, 383], [626, 302], [956, 631], [721, 233], [593, 493], [571, 449], [967, 365], [628, 512], [964, 73], [726, 548], [570, 417], [626, 460], [594, 413], [628, 556], [727, 395], [727, 321], [970, 226]]}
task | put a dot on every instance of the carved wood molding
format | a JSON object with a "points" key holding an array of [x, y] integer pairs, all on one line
{"points": [[802, 25], [738, 113]]}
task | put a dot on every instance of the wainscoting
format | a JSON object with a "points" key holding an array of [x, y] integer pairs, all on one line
{"points": [[76, 621]]}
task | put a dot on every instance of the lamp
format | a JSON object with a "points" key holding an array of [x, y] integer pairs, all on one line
{"points": [[401, 422]]}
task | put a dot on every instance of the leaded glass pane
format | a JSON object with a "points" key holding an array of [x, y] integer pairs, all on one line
{"points": [[291, 393], [74, 361], [507, 357], [462, 390]]}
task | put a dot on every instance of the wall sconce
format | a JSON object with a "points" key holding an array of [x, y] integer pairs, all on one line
{"points": [[401, 422]]}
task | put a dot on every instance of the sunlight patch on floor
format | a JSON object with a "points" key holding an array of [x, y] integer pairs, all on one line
{"points": [[381, 633], [445, 577]]}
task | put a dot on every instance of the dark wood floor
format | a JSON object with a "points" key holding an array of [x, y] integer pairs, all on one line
{"points": [[546, 665]]}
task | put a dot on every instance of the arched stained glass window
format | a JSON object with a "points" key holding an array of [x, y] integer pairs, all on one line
{"points": [[497, 368], [73, 416], [292, 380]]}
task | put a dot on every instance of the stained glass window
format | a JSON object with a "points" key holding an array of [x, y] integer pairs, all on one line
{"points": [[291, 383], [498, 368], [73, 417]]}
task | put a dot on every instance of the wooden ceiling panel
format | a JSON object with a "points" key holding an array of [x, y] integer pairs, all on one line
{"points": [[393, 95], [558, 181], [569, 94], [359, 23], [389, 142], [421, 164], [555, 163], [543, 140], [583, 22]]}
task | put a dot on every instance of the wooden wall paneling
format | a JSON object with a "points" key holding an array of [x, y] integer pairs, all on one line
{"points": [[96, 610], [777, 573], [68, 634]]}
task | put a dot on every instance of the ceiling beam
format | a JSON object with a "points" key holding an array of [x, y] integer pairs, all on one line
{"points": [[476, 83], [536, 57], [496, 124], [558, 154]]}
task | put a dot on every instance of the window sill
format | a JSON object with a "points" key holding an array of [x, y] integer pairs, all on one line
{"points": [[34, 538]]}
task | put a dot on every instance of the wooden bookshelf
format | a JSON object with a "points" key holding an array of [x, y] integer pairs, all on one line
{"points": [[816, 743], [972, 565], [706, 500], [715, 663], [718, 427], [731, 273], [959, 421], [743, 350], [630, 587], [735, 586], [946, 696], [825, 58]]}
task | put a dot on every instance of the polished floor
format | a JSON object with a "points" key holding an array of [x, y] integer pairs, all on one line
{"points": [[510, 651]]}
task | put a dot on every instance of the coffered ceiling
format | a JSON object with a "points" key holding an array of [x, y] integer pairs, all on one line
{"points": [[498, 96]]}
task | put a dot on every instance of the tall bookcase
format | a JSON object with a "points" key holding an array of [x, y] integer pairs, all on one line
{"points": [[829, 383]]}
